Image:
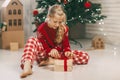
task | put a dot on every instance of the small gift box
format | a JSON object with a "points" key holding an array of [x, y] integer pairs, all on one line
{"points": [[14, 46], [63, 65]]}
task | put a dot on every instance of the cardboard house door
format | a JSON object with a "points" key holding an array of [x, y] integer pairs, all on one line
{"points": [[78, 31]]}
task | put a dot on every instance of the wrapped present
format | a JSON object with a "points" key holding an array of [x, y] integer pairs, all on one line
{"points": [[63, 65], [14, 46]]}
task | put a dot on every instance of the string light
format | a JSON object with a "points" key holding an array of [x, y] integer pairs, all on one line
{"points": [[87, 10], [72, 18], [68, 0], [98, 9], [104, 34], [101, 29], [89, 21], [79, 0], [100, 23], [95, 20], [114, 51], [44, 17], [101, 20], [37, 17]]}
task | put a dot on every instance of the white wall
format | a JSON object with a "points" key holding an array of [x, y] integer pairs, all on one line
{"points": [[29, 6], [111, 27]]}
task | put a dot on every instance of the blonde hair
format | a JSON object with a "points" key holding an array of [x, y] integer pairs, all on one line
{"points": [[58, 9]]}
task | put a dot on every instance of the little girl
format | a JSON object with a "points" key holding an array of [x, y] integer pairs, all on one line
{"points": [[51, 43]]}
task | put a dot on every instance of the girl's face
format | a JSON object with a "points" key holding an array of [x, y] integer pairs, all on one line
{"points": [[55, 21]]}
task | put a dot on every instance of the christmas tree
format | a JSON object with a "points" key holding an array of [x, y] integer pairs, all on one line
{"points": [[77, 11]]}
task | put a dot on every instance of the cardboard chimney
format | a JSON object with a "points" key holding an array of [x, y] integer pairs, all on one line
{"points": [[12, 15]]}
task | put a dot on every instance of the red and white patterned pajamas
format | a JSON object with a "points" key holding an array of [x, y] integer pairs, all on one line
{"points": [[34, 51], [38, 48]]}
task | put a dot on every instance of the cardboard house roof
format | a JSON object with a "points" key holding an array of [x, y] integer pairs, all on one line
{"points": [[6, 3]]}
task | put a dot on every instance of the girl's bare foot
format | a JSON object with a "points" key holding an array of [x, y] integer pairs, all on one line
{"points": [[27, 69], [25, 74], [49, 61]]}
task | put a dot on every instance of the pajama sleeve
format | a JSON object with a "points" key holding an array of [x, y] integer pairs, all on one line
{"points": [[41, 38]]}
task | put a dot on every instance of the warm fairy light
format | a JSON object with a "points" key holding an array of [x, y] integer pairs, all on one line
{"points": [[101, 29], [102, 23], [79, 0], [89, 21], [99, 22], [104, 34], [44, 17], [72, 18]]}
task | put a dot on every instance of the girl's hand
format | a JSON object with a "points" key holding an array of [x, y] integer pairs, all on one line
{"points": [[54, 53], [69, 54]]}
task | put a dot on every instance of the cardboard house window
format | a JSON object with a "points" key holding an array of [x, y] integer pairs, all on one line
{"points": [[10, 12], [19, 22], [14, 11], [14, 3], [10, 22], [19, 11], [15, 22]]}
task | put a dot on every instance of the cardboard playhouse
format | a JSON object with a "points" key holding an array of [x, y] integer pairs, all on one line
{"points": [[98, 42], [12, 15]]}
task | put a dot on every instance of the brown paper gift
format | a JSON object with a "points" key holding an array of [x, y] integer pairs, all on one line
{"points": [[63, 65], [14, 46]]}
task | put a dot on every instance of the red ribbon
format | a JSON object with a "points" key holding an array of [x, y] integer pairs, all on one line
{"points": [[65, 64]]}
